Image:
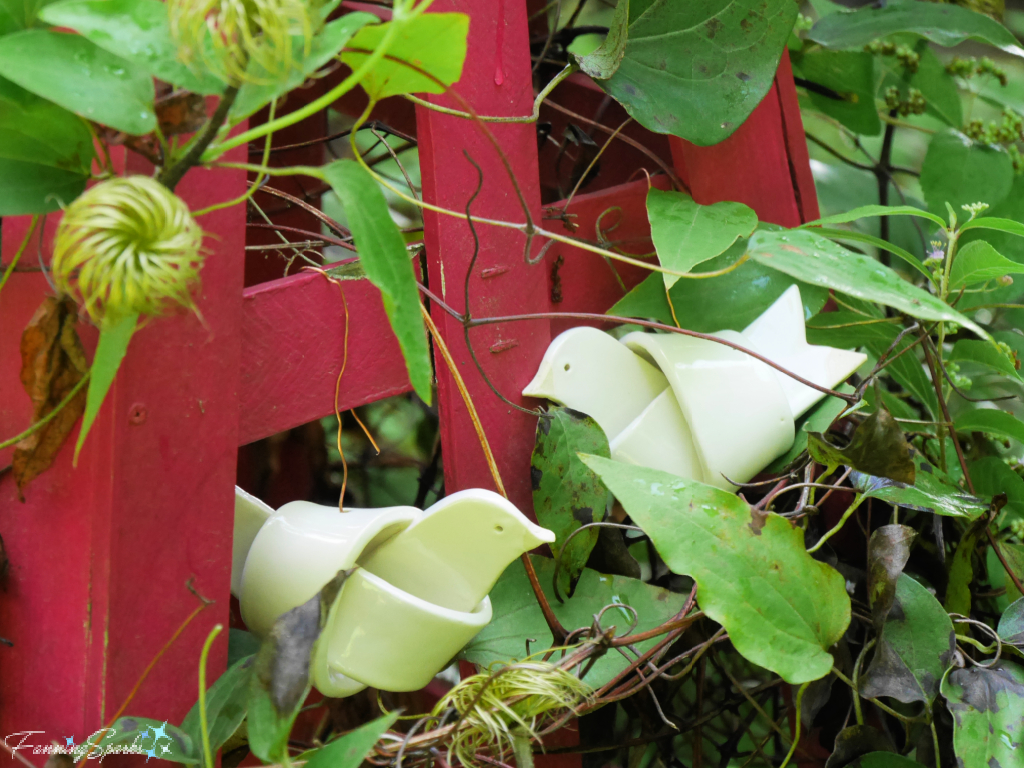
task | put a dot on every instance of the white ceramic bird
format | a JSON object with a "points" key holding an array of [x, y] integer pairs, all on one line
{"points": [[723, 414], [419, 595]]}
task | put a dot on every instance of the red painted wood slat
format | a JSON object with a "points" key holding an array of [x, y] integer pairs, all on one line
{"points": [[293, 333], [100, 555], [496, 81]]}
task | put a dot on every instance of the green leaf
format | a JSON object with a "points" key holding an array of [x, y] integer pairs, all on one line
{"points": [[332, 38], [729, 302], [851, 75], [804, 255], [227, 702], [971, 350], [517, 617], [915, 648], [110, 352], [867, 211], [930, 492], [782, 608], [387, 263], [602, 62], [136, 30], [19, 14], [988, 714], [960, 171], [566, 493], [977, 262], [877, 447], [697, 70], [46, 155], [686, 233], [849, 330], [174, 745], [432, 42], [961, 570], [350, 750], [1002, 225], [992, 422], [992, 476], [885, 245], [818, 419], [946, 25], [80, 76], [1011, 623]]}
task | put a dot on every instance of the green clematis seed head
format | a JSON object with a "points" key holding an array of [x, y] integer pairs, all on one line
{"points": [[244, 41], [127, 245]]}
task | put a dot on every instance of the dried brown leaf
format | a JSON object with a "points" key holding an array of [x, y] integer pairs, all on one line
{"points": [[52, 363]]}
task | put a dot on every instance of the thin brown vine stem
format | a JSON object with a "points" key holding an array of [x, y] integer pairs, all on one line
{"points": [[593, 162], [937, 385], [667, 169], [750, 699], [342, 134], [323, 217], [282, 228], [557, 630], [851, 399], [405, 174]]}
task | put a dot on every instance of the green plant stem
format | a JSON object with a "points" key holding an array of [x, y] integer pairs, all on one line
{"points": [[203, 726], [17, 254], [346, 85], [171, 175], [46, 419], [842, 521], [259, 178], [858, 709], [935, 738], [796, 728], [888, 710], [531, 118]]}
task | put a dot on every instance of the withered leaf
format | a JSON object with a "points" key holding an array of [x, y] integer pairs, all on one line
{"points": [[180, 112], [878, 447], [888, 552], [52, 363], [855, 741]]}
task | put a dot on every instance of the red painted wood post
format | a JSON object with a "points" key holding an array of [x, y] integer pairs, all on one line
{"points": [[496, 81], [101, 554], [763, 164]]}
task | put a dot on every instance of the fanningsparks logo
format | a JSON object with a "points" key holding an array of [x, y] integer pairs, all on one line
{"points": [[149, 740]]}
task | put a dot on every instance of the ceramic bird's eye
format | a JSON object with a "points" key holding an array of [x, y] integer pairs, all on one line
{"points": [[566, 367], [499, 529]]}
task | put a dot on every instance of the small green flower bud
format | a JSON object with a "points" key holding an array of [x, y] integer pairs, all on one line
{"points": [[127, 245]]}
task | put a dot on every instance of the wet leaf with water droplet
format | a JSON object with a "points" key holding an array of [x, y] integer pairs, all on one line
{"points": [[988, 714]]}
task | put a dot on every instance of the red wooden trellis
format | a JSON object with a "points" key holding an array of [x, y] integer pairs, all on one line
{"points": [[101, 554]]}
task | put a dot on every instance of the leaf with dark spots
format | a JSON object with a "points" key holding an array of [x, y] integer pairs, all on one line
{"points": [[567, 494], [699, 96], [1011, 623], [915, 647], [180, 112], [961, 570], [602, 62], [52, 363], [988, 714], [782, 608], [877, 447], [888, 552], [932, 491], [856, 741], [281, 680]]}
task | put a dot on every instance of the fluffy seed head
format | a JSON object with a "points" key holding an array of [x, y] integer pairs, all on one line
{"points": [[226, 36], [507, 700], [127, 245]]}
